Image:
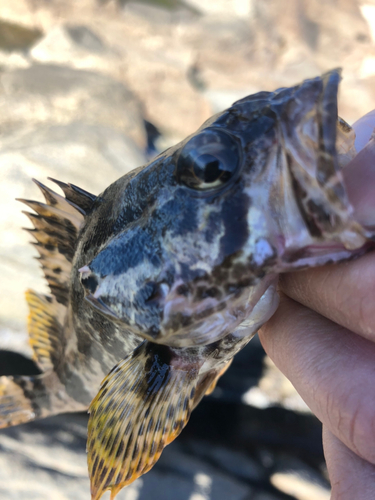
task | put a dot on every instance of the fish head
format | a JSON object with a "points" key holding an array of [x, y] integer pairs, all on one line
{"points": [[181, 251]]}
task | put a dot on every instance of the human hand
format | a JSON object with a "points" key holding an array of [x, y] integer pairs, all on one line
{"points": [[322, 337]]}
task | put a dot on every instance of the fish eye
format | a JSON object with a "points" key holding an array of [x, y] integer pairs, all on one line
{"points": [[209, 160]]}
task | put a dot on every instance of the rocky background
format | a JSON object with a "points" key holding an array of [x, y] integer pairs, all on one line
{"points": [[92, 89]]}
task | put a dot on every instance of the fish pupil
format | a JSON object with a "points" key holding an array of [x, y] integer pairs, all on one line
{"points": [[207, 168]]}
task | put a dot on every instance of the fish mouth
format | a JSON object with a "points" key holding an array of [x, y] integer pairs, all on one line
{"points": [[314, 200], [319, 255], [317, 182], [327, 109]]}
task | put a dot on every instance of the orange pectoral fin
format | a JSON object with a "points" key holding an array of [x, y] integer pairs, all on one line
{"points": [[143, 404], [212, 386]]}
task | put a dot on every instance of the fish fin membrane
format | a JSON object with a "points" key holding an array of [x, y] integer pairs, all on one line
{"points": [[142, 406], [19, 399], [212, 386], [45, 330], [76, 196], [56, 226]]}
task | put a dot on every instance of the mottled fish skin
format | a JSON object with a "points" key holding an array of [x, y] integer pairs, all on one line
{"points": [[181, 262], [160, 280]]}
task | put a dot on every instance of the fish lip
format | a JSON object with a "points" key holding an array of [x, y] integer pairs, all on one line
{"points": [[328, 111], [320, 255], [100, 306], [319, 211]]}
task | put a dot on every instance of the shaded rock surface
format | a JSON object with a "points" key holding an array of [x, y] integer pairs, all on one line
{"points": [[228, 450], [75, 125], [47, 460], [234, 47], [16, 37], [59, 94]]}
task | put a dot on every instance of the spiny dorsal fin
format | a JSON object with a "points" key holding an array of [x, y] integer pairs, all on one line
{"points": [[143, 404], [56, 226], [45, 330], [74, 194], [55, 200]]}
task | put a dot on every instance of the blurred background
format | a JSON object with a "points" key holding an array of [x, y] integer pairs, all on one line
{"points": [[90, 90]]}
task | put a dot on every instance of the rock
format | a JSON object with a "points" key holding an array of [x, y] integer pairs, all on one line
{"points": [[161, 11], [85, 38], [235, 463], [190, 477], [13, 60], [274, 389], [238, 46], [295, 478], [76, 46], [90, 156], [12, 363], [157, 74], [253, 431], [265, 496], [51, 93], [66, 43], [171, 103], [17, 37], [73, 125], [222, 99], [271, 45], [47, 459], [222, 7], [254, 380]]}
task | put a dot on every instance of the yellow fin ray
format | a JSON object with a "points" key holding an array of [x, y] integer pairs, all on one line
{"points": [[142, 406], [15, 407], [45, 331], [212, 386]]}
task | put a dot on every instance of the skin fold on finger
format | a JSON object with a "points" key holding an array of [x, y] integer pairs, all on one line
{"points": [[344, 293], [352, 478], [332, 368]]}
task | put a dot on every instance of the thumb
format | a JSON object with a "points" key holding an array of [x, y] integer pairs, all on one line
{"points": [[359, 174]]}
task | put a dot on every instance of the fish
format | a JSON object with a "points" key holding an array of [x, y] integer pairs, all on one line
{"points": [[160, 280]]}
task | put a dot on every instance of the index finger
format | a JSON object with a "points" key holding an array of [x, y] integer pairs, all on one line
{"points": [[344, 293]]}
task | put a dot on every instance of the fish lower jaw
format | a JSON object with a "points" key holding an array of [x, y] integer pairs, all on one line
{"points": [[318, 255]]}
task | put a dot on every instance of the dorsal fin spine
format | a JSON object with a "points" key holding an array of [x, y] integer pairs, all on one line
{"points": [[53, 198], [76, 195], [57, 223]]}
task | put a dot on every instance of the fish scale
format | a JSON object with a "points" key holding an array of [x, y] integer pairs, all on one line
{"points": [[160, 280]]}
